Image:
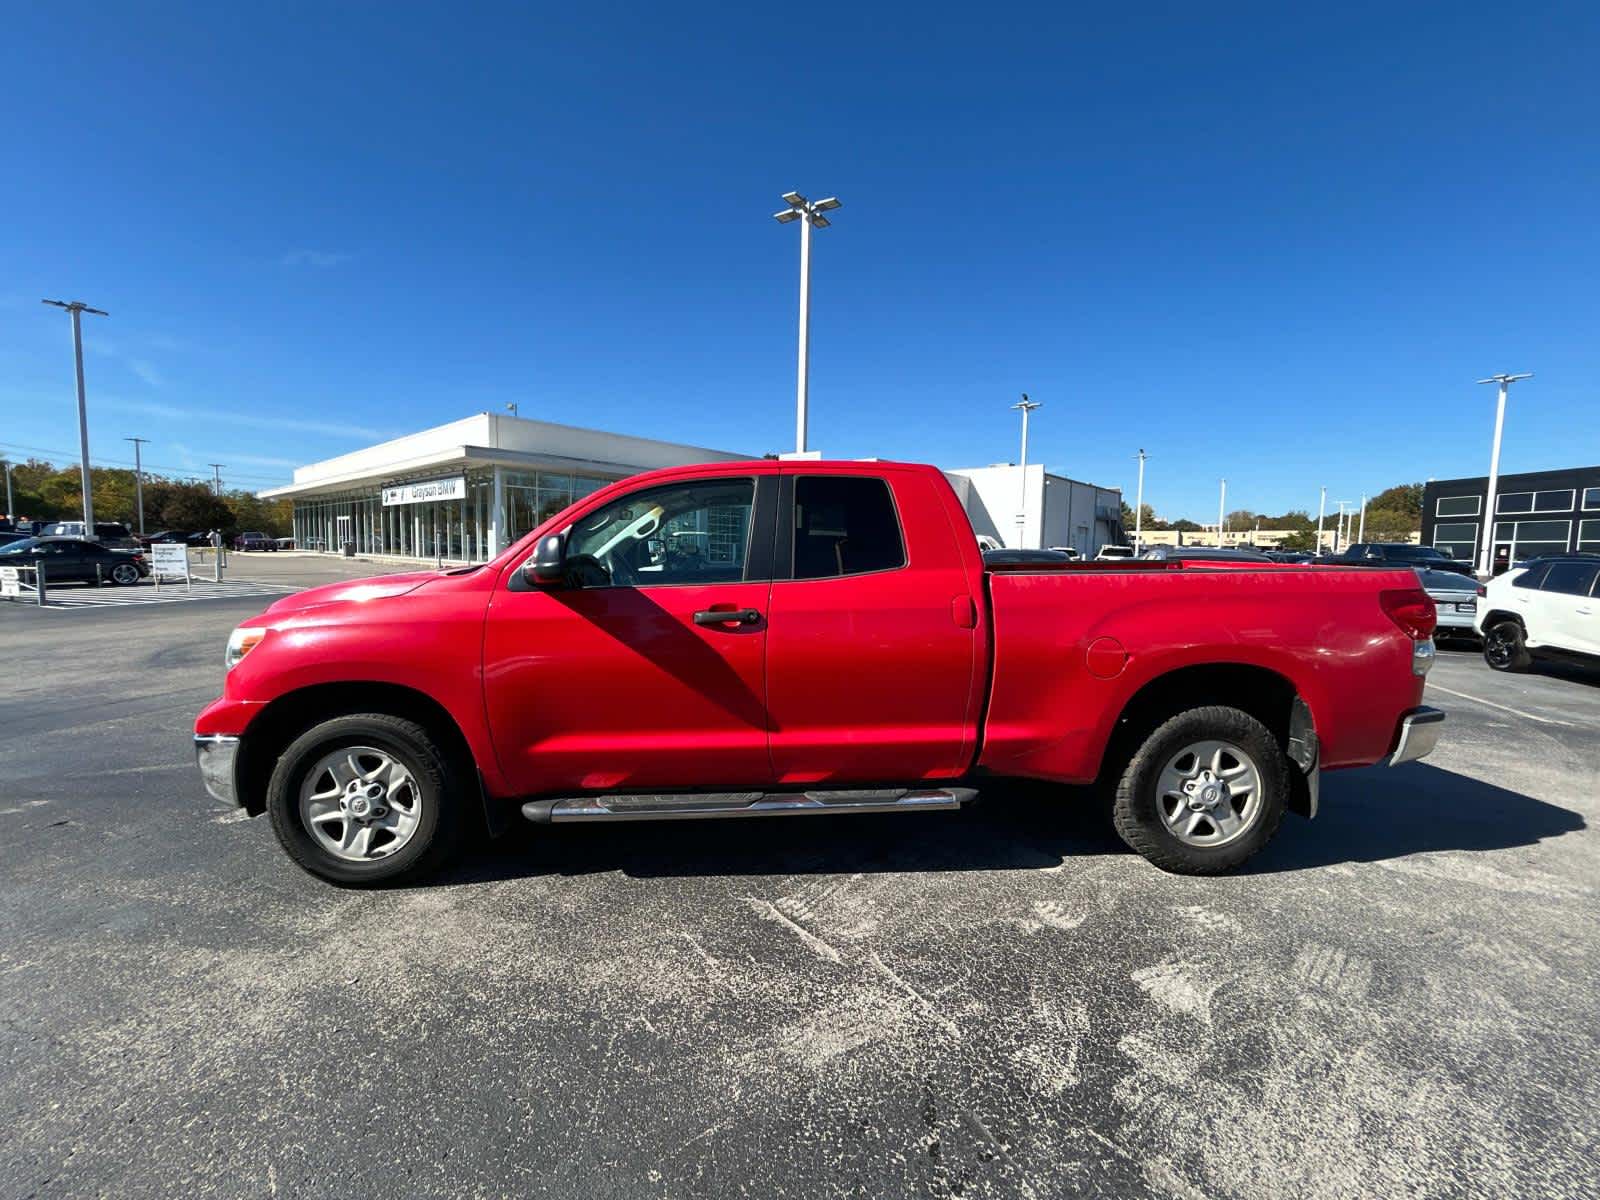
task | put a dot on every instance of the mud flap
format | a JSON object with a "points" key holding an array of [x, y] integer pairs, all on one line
{"points": [[1305, 753]]}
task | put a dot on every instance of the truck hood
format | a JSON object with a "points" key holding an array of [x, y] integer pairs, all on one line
{"points": [[379, 587]]}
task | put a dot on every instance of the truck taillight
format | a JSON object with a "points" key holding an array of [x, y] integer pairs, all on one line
{"points": [[1411, 609]]}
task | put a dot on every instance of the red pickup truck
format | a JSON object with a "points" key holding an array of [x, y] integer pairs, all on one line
{"points": [[765, 638]]}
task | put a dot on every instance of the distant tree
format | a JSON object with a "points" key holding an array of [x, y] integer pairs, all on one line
{"points": [[1184, 525], [1402, 498], [189, 505]]}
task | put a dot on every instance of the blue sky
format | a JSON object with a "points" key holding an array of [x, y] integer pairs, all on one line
{"points": [[1276, 243]]}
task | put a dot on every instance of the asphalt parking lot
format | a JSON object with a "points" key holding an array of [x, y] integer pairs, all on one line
{"points": [[1400, 998]]}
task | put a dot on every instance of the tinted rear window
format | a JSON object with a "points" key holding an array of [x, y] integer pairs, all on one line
{"points": [[844, 525]]}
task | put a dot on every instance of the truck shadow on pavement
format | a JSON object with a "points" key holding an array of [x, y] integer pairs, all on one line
{"points": [[1376, 813], [1366, 816]]}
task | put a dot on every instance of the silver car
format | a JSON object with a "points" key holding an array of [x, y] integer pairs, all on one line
{"points": [[1456, 598]]}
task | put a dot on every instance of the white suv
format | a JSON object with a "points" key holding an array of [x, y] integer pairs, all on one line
{"points": [[1546, 606]]}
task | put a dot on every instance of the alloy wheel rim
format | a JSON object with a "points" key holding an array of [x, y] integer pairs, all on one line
{"points": [[360, 803], [1209, 793], [124, 574], [1499, 645]]}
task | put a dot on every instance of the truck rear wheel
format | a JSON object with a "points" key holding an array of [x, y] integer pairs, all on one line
{"points": [[365, 799], [1204, 792]]}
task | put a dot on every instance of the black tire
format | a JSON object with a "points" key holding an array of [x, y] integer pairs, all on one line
{"points": [[440, 796], [1505, 646], [1136, 807], [125, 574]]}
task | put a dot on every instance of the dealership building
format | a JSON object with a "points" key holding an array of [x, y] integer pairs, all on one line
{"points": [[1539, 512], [466, 490], [1055, 510], [463, 492]]}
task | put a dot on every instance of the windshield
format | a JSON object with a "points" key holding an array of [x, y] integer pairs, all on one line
{"points": [[18, 547]]}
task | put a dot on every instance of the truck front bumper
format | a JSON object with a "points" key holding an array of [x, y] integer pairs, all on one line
{"points": [[217, 754], [1419, 733]]}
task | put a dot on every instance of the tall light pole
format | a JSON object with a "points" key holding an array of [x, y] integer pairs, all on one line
{"points": [[11, 510], [1138, 507], [1322, 510], [138, 477], [216, 478], [1341, 531], [77, 308], [1222, 506], [1362, 536], [808, 214], [1486, 557], [1027, 406]]}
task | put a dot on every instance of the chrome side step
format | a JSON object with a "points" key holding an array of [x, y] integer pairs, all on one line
{"points": [[701, 805]]}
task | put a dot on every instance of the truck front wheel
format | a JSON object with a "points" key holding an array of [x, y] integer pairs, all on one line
{"points": [[1204, 792], [365, 799]]}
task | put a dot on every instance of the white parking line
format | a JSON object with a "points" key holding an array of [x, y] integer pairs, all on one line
{"points": [[1515, 712], [170, 594]]}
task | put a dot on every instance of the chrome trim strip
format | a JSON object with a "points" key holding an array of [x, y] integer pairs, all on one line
{"points": [[1419, 734], [216, 754], [689, 808]]}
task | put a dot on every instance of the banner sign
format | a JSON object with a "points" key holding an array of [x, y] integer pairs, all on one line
{"points": [[169, 558], [426, 492]]}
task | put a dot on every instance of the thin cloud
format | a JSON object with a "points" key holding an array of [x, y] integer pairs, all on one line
{"points": [[284, 424], [315, 258], [146, 372]]}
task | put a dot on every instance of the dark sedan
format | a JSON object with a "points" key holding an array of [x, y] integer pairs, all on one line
{"points": [[74, 560]]}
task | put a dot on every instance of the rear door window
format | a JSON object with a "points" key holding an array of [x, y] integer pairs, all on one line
{"points": [[1570, 578], [845, 525]]}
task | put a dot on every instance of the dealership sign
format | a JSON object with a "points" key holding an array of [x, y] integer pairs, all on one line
{"points": [[426, 492], [169, 558]]}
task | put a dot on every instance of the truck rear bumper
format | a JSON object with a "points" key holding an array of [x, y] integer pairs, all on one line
{"points": [[216, 754], [1419, 733]]}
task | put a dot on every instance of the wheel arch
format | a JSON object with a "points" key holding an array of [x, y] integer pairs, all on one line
{"points": [[1262, 692], [291, 714], [1496, 615]]}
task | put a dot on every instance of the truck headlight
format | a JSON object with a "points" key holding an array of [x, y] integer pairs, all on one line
{"points": [[240, 642]]}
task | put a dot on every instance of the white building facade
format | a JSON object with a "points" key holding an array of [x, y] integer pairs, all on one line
{"points": [[464, 491], [1054, 510]]}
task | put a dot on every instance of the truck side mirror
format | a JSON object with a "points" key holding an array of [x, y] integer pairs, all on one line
{"points": [[549, 562]]}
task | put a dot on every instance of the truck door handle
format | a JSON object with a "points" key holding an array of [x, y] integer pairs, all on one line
{"points": [[727, 616]]}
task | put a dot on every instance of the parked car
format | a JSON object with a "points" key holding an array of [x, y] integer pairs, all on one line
{"points": [[842, 648], [1070, 551], [284, 543], [7, 537], [1547, 607], [1402, 554], [1108, 552], [1455, 598], [168, 537], [1205, 553], [254, 541], [1299, 557], [76, 560], [108, 533]]}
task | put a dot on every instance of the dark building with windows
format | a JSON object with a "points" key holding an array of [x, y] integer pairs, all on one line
{"points": [[1539, 512]]}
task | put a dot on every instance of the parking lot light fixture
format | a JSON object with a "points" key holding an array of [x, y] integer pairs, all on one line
{"points": [[1222, 506], [1138, 506], [1027, 406], [11, 511], [77, 308], [138, 477], [1322, 510], [1486, 551], [1362, 536], [809, 214]]}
